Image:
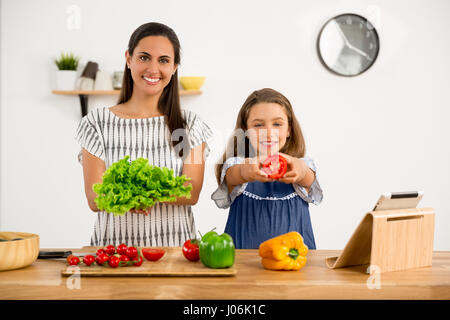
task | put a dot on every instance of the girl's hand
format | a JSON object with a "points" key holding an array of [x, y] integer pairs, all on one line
{"points": [[251, 171], [296, 170], [145, 212]]}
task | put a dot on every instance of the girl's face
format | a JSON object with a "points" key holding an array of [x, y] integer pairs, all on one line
{"points": [[268, 128], [152, 64]]}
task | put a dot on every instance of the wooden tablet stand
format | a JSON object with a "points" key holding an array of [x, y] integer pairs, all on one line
{"points": [[390, 240]]}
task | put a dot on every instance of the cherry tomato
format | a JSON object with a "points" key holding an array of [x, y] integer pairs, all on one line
{"points": [[88, 259], [100, 252], [122, 249], [139, 261], [101, 259], [73, 260], [124, 260], [190, 250], [110, 249], [275, 166], [131, 252], [153, 254], [69, 257], [114, 261]]}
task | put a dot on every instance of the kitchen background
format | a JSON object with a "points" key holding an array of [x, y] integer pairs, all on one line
{"points": [[385, 130]]}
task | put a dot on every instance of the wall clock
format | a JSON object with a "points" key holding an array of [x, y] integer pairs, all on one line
{"points": [[348, 45]]}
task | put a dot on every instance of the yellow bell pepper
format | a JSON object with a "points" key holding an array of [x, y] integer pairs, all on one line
{"points": [[284, 252]]}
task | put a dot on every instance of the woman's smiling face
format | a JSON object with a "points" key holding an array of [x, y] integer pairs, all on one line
{"points": [[268, 128], [152, 64]]}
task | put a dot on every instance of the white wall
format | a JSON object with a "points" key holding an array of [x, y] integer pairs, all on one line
{"points": [[386, 130]]}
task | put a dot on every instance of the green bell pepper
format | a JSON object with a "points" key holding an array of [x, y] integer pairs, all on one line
{"points": [[216, 251]]}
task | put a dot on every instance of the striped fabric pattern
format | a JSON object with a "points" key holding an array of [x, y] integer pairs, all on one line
{"points": [[111, 138]]}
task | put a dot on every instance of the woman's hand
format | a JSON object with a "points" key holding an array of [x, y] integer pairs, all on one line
{"points": [[93, 169], [251, 171], [296, 170]]}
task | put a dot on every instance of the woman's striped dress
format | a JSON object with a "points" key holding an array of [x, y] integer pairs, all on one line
{"points": [[111, 138]]}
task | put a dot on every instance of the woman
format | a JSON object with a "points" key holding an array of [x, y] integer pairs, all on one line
{"points": [[147, 122]]}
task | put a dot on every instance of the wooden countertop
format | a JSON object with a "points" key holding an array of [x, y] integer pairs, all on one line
{"points": [[43, 280]]}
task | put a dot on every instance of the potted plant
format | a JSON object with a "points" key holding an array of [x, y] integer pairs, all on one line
{"points": [[66, 75]]}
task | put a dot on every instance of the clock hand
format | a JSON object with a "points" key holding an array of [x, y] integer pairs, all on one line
{"points": [[341, 33], [348, 44], [359, 51]]}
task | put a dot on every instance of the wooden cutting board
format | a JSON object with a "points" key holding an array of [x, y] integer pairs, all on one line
{"points": [[172, 264]]}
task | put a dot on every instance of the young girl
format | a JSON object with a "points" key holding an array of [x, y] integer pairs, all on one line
{"points": [[146, 123], [261, 207]]}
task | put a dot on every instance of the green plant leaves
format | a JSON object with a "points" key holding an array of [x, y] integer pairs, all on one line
{"points": [[138, 185], [67, 61]]}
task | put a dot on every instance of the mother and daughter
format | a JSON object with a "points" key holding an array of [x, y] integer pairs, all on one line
{"points": [[142, 124]]}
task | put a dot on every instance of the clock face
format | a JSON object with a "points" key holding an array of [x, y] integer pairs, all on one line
{"points": [[348, 45]]}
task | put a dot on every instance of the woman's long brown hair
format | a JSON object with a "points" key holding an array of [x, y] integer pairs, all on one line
{"points": [[169, 102], [295, 144]]}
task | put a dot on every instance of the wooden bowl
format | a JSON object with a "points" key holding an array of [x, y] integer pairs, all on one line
{"points": [[15, 254]]}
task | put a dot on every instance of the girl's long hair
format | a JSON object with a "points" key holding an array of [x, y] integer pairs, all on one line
{"points": [[295, 143], [169, 102]]}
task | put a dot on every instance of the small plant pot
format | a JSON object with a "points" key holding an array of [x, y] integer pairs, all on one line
{"points": [[66, 79]]}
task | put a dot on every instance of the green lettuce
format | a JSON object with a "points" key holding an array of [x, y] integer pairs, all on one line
{"points": [[138, 185]]}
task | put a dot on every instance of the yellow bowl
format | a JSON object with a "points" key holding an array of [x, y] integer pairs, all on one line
{"points": [[192, 83], [15, 254]]}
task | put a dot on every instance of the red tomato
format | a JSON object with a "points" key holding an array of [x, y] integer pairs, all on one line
{"points": [[122, 249], [190, 250], [88, 259], [275, 166], [101, 259], [131, 252], [153, 254], [139, 261], [73, 260], [124, 260], [114, 261], [69, 257], [100, 252], [110, 249]]}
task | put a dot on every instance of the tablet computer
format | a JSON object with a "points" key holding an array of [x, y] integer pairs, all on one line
{"points": [[398, 200]]}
